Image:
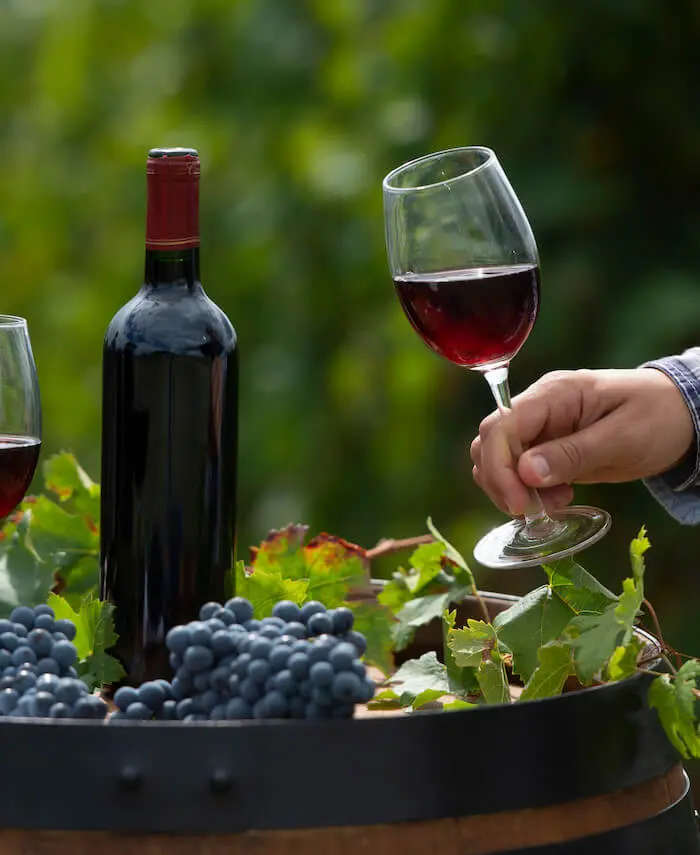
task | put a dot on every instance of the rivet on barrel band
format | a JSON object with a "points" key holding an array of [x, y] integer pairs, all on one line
{"points": [[130, 778], [220, 781]]}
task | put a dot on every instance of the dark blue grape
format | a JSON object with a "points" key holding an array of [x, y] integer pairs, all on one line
{"points": [[287, 611], [368, 689], [252, 625], [314, 711], [319, 624], [219, 679], [237, 629], [321, 674], [228, 661], [313, 607], [305, 689], [198, 658], [200, 634], [184, 708], [286, 640], [59, 636], [124, 696], [151, 694], [260, 648], [20, 630], [225, 616], [178, 639], [319, 653], [343, 710], [238, 708], [259, 670], [297, 706], [342, 656], [41, 704], [321, 696], [97, 705], [40, 641], [343, 620], [47, 683], [223, 643], [181, 688], [242, 663], [260, 709], [193, 717], [44, 609], [218, 713], [24, 707], [285, 682], [214, 625], [175, 660], [202, 680], [7, 682], [168, 712], [301, 646], [250, 690], [6, 626], [68, 691], [295, 629], [358, 667], [44, 622], [347, 687], [209, 610], [23, 655], [60, 710], [234, 684], [166, 687], [279, 656], [241, 608], [11, 670], [70, 672], [67, 627], [270, 632], [24, 680], [48, 666], [244, 642], [86, 707], [298, 664], [8, 701], [277, 705], [204, 702], [5, 659], [137, 710], [65, 653], [273, 621], [270, 684], [23, 615], [9, 641], [358, 640]]}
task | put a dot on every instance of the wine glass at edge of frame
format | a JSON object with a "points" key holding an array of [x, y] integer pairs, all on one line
{"points": [[20, 413], [465, 268]]}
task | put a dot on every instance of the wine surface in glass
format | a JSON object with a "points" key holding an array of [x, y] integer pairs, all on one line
{"points": [[474, 317], [18, 459]]}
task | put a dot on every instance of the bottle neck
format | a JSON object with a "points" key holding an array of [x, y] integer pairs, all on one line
{"points": [[172, 267]]}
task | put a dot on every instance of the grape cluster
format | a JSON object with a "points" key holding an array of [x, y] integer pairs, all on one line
{"points": [[302, 662], [37, 674]]}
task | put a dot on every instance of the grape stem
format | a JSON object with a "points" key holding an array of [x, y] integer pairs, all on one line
{"points": [[388, 545]]}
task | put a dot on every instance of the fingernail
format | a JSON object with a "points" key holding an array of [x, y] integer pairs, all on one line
{"points": [[540, 466]]}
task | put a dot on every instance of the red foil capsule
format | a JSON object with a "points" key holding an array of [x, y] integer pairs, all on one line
{"points": [[172, 213]]}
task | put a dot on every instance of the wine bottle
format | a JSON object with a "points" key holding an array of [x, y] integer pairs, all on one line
{"points": [[169, 432]]}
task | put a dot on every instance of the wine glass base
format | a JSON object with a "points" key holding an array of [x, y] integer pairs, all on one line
{"points": [[506, 547]]}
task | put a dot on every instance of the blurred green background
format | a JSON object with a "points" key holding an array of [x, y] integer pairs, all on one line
{"points": [[299, 109]]}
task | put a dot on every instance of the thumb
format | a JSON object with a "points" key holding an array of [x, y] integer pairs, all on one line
{"points": [[571, 458]]}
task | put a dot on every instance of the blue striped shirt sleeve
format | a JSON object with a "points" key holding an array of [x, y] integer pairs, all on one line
{"points": [[679, 489]]}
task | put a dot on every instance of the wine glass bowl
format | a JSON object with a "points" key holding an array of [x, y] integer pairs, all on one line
{"points": [[465, 268], [20, 413]]}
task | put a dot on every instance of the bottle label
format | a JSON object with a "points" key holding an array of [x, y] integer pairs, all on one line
{"points": [[172, 215]]}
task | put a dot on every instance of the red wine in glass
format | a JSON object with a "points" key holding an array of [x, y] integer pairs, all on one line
{"points": [[18, 459], [473, 317]]}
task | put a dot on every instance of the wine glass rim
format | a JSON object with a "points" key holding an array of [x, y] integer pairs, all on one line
{"points": [[436, 155], [12, 321]]}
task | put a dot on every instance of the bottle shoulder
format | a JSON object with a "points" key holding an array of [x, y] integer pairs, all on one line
{"points": [[171, 319]]}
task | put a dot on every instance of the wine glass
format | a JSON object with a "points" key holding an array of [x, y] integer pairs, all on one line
{"points": [[466, 270], [20, 413]]}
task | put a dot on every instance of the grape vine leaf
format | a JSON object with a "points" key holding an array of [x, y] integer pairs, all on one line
{"points": [[576, 587], [427, 697], [373, 620], [24, 578], [387, 699], [95, 635], [533, 621], [623, 662], [493, 680], [426, 568], [555, 666], [419, 675], [471, 645], [674, 702], [462, 681], [458, 704], [265, 588], [64, 477]]}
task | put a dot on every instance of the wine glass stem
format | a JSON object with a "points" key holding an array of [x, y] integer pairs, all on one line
{"points": [[538, 524]]}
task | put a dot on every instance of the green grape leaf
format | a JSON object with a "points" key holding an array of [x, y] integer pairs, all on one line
{"points": [[576, 587], [473, 644], [554, 667], [264, 589], [24, 578], [427, 697], [460, 680], [385, 700], [397, 593], [427, 561], [100, 669], [533, 621], [594, 639], [53, 530], [450, 552], [419, 675], [79, 579], [676, 713], [623, 662], [458, 704], [374, 621], [64, 477], [493, 680]]}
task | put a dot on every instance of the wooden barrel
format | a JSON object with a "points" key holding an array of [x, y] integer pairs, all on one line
{"points": [[588, 773]]}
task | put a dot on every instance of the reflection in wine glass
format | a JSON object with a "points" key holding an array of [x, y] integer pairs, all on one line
{"points": [[466, 271]]}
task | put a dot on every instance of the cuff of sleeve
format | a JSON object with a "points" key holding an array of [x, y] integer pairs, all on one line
{"points": [[687, 473]]}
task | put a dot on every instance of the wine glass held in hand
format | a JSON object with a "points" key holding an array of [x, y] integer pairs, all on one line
{"points": [[465, 266], [20, 413]]}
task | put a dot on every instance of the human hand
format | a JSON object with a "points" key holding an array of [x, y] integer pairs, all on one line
{"points": [[583, 427]]}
